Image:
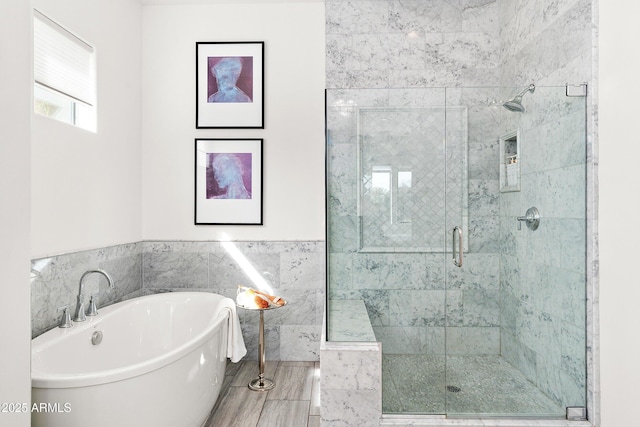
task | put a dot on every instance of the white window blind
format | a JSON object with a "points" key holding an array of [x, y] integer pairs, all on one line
{"points": [[62, 61]]}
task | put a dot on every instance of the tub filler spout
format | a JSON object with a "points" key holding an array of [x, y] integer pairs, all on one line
{"points": [[79, 315]]}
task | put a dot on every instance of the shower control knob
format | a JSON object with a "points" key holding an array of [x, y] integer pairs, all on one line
{"points": [[531, 218]]}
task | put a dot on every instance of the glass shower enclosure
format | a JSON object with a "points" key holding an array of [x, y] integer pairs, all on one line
{"points": [[460, 229]]}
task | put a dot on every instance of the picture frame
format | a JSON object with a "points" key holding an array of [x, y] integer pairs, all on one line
{"points": [[230, 85], [228, 181]]}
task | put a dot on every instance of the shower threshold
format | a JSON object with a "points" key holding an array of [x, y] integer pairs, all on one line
{"points": [[398, 420]]}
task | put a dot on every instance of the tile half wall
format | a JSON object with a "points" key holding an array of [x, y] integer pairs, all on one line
{"points": [[294, 270]]}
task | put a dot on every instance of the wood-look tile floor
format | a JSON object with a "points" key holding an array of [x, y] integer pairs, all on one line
{"points": [[293, 402]]}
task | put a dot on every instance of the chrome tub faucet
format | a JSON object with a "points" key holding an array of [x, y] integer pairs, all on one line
{"points": [[79, 315]]}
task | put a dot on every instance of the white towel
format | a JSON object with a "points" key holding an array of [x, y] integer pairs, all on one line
{"points": [[235, 342]]}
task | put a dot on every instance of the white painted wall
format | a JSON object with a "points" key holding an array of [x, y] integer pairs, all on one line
{"points": [[86, 188], [619, 146], [15, 122], [294, 117]]}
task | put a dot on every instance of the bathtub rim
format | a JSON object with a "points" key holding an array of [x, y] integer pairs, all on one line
{"points": [[46, 380]]}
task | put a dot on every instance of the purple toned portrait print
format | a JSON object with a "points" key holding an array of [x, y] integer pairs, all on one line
{"points": [[229, 175], [230, 79]]}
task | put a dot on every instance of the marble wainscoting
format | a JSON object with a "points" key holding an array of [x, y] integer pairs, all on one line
{"points": [[293, 270], [55, 281]]}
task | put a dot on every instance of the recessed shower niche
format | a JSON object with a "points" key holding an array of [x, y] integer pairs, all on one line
{"points": [[510, 161]]}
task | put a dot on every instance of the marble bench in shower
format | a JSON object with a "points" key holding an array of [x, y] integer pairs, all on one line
{"points": [[350, 367], [349, 321]]}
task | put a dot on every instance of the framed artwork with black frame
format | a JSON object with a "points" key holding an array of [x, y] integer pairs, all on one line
{"points": [[228, 181], [230, 85]]}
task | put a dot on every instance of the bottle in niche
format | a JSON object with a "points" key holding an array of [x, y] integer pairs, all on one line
{"points": [[512, 170]]}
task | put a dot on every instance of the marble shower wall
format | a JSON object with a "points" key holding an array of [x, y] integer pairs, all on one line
{"points": [[294, 270], [543, 273], [547, 42], [412, 43], [379, 47], [404, 288], [402, 54]]}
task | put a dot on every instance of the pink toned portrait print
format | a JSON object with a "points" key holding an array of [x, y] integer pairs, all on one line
{"points": [[229, 175], [230, 79]]}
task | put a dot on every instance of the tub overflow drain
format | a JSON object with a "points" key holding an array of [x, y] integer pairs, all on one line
{"points": [[96, 338], [453, 389]]}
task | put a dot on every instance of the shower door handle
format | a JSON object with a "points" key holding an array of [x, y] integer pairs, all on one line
{"points": [[457, 258]]}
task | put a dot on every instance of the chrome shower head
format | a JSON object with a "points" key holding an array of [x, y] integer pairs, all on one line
{"points": [[515, 103]]}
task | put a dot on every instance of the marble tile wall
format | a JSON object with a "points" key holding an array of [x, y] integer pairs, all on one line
{"points": [[412, 43], [404, 287], [548, 42], [295, 270], [543, 272], [403, 54], [380, 51], [55, 281], [351, 384], [403, 171]]}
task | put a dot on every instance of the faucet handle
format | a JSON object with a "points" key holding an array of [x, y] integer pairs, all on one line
{"points": [[93, 309], [65, 320]]}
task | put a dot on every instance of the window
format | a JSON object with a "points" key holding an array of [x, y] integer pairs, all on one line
{"points": [[64, 74], [395, 194]]}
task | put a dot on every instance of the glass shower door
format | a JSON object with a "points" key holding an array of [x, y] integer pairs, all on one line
{"points": [[411, 167], [420, 178], [515, 335], [472, 276], [386, 242]]}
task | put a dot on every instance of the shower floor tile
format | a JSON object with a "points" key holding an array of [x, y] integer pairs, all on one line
{"points": [[413, 383], [471, 385]]}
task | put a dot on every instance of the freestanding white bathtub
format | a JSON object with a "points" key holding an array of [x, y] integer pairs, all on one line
{"points": [[161, 362]]}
